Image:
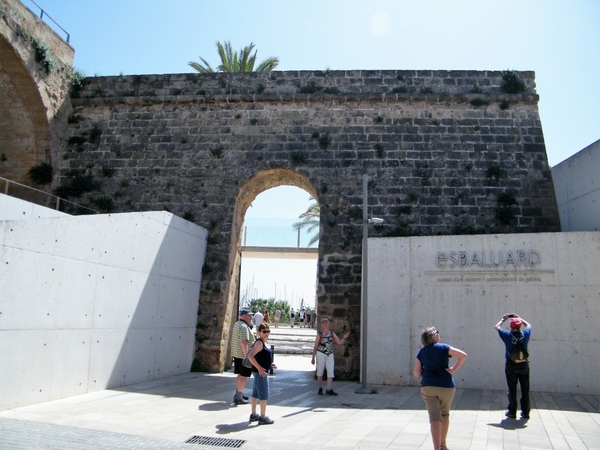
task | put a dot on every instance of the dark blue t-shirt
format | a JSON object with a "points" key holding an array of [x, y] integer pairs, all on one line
{"points": [[510, 339], [434, 359]]}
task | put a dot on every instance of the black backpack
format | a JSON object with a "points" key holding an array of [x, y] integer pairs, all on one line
{"points": [[519, 353]]}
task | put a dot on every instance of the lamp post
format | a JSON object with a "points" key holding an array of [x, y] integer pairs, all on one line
{"points": [[363, 389]]}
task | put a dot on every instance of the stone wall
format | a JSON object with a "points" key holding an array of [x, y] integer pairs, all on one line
{"points": [[447, 152], [34, 90]]}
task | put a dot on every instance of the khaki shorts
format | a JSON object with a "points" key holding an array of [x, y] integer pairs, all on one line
{"points": [[438, 401]]}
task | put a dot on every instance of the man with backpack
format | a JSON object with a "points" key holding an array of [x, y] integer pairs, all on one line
{"points": [[516, 368]]}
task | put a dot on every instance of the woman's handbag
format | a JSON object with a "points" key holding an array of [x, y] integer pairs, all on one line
{"points": [[246, 362]]}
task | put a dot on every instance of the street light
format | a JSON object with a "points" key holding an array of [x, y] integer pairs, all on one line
{"points": [[363, 389]]}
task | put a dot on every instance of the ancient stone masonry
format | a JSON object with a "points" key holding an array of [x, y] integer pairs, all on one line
{"points": [[447, 152], [35, 64]]}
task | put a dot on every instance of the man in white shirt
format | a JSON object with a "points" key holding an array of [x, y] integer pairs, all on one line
{"points": [[258, 319]]}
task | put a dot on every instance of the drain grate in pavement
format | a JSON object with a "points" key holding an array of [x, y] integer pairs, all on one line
{"points": [[216, 442]]}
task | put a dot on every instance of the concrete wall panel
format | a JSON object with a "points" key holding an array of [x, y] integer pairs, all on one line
{"points": [[143, 313], [389, 322], [139, 356], [106, 359], [177, 298], [577, 187], [70, 362], [550, 279], [12, 208], [172, 359], [95, 302]]}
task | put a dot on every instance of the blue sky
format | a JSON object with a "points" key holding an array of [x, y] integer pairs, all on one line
{"points": [[558, 39]]}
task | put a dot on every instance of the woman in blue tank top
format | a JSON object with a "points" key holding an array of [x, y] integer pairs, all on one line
{"points": [[437, 386]]}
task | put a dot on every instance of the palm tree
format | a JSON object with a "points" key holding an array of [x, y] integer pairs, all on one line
{"points": [[233, 61], [310, 221]]}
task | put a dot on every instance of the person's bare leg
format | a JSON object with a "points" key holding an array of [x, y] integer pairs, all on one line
{"points": [[444, 431], [263, 408], [320, 382], [254, 403], [436, 434], [329, 383], [240, 383]]}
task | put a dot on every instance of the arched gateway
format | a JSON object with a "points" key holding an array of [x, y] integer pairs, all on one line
{"points": [[259, 183], [447, 152]]}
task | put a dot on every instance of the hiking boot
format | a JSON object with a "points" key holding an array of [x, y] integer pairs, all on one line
{"points": [[240, 401], [254, 417], [510, 415], [524, 415], [320, 392], [264, 420], [236, 398], [330, 392]]}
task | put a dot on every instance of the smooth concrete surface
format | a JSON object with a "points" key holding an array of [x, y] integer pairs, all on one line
{"points": [[93, 302], [12, 208], [550, 279], [163, 414], [577, 187]]}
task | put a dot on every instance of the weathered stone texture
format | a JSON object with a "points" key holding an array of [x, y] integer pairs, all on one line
{"points": [[33, 102], [441, 160]]}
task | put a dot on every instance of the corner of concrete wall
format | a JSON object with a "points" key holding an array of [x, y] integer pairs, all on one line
{"points": [[12, 208], [95, 302], [577, 187]]}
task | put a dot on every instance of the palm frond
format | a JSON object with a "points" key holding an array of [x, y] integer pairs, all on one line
{"points": [[234, 61], [310, 221], [312, 212], [206, 68], [309, 224], [268, 64], [246, 58], [225, 55]]}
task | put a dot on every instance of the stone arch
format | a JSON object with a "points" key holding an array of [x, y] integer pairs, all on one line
{"points": [[257, 184], [34, 103], [24, 128]]}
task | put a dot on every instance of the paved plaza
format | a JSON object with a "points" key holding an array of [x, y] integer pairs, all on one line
{"points": [[165, 413]]}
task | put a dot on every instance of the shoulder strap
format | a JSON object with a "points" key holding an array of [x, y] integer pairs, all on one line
{"points": [[251, 346]]}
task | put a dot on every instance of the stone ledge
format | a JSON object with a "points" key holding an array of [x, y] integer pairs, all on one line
{"points": [[293, 98]]}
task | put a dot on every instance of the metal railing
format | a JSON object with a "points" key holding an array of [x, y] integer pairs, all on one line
{"points": [[42, 13], [42, 198]]}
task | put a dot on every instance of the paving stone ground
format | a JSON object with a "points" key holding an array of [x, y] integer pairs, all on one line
{"points": [[165, 413]]}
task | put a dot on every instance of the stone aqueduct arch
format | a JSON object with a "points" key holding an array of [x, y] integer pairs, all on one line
{"points": [[259, 183], [447, 152], [33, 103]]}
